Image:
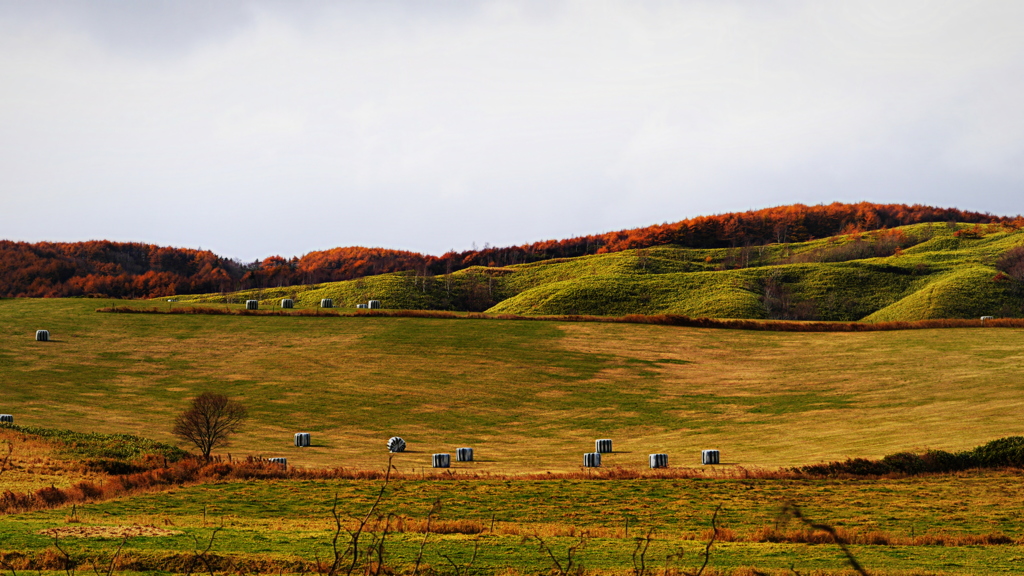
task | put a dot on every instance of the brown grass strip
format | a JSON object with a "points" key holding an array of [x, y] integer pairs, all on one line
{"points": [[656, 319]]}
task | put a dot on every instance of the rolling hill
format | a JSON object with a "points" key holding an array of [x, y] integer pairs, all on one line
{"points": [[915, 272], [101, 268]]}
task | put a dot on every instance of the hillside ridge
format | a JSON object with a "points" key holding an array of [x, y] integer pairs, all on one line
{"points": [[911, 273], [136, 270]]}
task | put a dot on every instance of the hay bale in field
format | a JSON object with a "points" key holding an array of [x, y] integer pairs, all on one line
{"points": [[373, 304], [464, 455], [592, 460], [396, 444], [659, 460], [360, 305], [42, 335], [603, 446], [442, 460], [983, 318], [302, 439], [6, 419], [282, 461], [709, 457], [252, 304], [287, 303], [327, 303]]}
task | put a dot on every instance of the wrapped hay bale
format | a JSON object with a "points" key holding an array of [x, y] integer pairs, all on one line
{"points": [[659, 460]]}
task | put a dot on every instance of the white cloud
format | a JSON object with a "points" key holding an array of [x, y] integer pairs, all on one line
{"points": [[258, 128]]}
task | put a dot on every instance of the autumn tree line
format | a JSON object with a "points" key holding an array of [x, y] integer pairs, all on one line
{"points": [[134, 270]]}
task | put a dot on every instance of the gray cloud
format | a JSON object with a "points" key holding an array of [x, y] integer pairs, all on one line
{"points": [[271, 127]]}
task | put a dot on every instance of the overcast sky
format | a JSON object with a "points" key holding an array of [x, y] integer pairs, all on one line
{"points": [[260, 128]]}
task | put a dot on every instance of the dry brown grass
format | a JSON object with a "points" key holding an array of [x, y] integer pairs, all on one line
{"points": [[764, 534], [34, 464], [876, 537], [107, 531]]}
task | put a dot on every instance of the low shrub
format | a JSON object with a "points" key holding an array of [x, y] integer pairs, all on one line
{"points": [[99, 450], [1002, 453]]}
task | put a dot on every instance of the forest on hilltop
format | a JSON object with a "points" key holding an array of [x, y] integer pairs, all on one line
{"points": [[102, 268]]}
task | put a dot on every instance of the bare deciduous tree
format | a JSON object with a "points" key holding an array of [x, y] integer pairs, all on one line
{"points": [[209, 421]]}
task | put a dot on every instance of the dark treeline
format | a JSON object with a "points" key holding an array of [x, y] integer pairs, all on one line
{"points": [[135, 270]]}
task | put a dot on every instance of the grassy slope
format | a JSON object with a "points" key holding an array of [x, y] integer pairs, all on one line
{"points": [[939, 277], [527, 395]]}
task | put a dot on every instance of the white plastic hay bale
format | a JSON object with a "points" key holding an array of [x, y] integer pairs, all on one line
{"points": [[360, 305], [282, 461], [659, 460], [252, 304], [983, 318], [592, 460], [42, 335], [373, 304], [302, 439], [396, 444], [709, 457], [603, 446], [287, 303], [6, 419], [327, 303], [464, 455], [442, 460]]}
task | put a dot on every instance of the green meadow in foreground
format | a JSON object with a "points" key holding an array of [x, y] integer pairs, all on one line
{"points": [[529, 396], [286, 525], [917, 272]]}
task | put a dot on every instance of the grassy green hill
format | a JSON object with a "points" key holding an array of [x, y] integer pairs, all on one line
{"points": [[912, 273]]}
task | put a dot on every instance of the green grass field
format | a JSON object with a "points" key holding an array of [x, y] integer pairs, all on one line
{"points": [[529, 396], [276, 524]]}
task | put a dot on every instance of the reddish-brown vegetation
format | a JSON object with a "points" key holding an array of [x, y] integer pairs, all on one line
{"points": [[132, 270]]}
